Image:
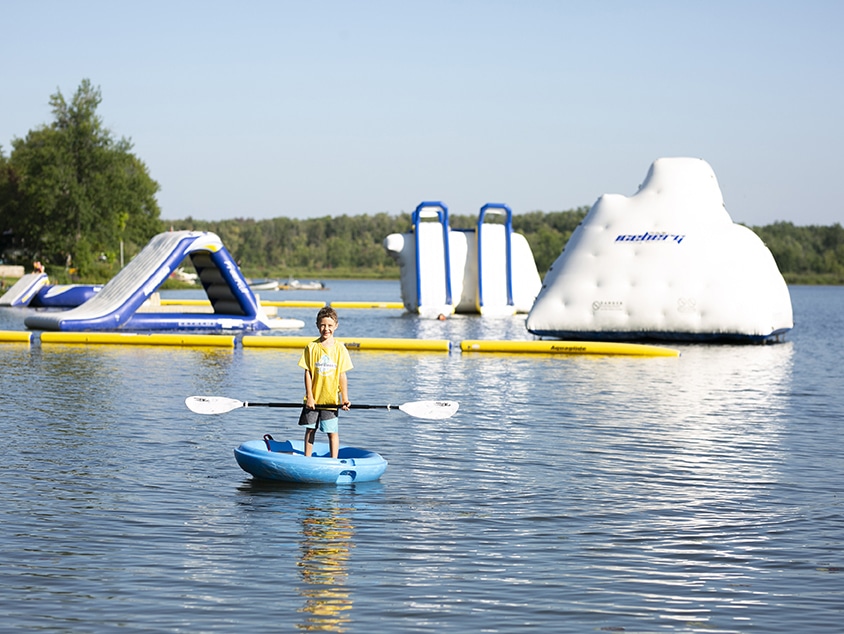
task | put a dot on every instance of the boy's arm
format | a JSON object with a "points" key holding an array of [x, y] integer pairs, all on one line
{"points": [[344, 391], [310, 403]]}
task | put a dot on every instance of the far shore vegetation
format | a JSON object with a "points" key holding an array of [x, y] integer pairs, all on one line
{"points": [[78, 200]]}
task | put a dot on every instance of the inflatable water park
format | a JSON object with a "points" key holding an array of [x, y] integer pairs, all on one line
{"points": [[667, 263], [489, 270], [117, 305]]}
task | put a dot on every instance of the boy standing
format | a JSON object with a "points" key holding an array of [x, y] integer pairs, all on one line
{"points": [[325, 363]]}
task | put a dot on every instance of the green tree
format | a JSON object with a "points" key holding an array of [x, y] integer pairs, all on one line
{"points": [[75, 189]]}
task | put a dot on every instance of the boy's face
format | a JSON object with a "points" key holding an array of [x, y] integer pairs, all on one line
{"points": [[326, 327]]}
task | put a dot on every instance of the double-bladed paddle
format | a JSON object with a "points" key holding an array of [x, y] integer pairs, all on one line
{"points": [[432, 410]]}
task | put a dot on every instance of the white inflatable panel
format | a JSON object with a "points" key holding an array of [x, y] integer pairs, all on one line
{"points": [[424, 292], [666, 263], [526, 279], [492, 271]]}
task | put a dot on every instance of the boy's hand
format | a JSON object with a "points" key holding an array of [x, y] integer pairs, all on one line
{"points": [[346, 405]]}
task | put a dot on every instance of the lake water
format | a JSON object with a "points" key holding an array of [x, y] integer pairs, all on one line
{"points": [[569, 494]]}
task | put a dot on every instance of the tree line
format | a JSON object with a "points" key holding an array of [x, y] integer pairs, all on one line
{"points": [[351, 246], [77, 199]]}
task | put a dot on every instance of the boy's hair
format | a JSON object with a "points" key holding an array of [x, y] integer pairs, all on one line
{"points": [[327, 311]]}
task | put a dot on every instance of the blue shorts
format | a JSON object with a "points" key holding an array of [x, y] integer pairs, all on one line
{"points": [[327, 419]]}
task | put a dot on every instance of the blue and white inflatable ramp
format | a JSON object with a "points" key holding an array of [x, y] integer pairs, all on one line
{"points": [[24, 290], [115, 306]]}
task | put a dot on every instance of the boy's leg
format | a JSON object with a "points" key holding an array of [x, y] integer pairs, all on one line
{"points": [[331, 427], [309, 418], [310, 435]]}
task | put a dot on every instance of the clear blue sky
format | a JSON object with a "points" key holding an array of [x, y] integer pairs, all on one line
{"points": [[302, 109]]}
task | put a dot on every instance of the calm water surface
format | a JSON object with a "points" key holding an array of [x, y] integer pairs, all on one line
{"points": [[573, 494]]}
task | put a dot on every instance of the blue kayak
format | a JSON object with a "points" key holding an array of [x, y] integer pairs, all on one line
{"points": [[270, 459]]}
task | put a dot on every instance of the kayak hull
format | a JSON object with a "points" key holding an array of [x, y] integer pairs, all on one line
{"points": [[285, 461]]}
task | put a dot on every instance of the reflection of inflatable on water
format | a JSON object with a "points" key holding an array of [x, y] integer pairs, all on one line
{"points": [[325, 550], [700, 413]]}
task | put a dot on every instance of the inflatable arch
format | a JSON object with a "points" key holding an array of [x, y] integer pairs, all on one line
{"points": [[489, 270]]}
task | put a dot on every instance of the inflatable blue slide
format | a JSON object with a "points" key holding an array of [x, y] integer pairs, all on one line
{"points": [[115, 306], [34, 290], [25, 290]]}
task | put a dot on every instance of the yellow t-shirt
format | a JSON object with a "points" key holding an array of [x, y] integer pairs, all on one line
{"points": [[326, 365]]}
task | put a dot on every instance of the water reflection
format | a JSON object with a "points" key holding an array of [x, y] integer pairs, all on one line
{"points": [[651, 436], [325, 549], [318, 520], [459, 327]]}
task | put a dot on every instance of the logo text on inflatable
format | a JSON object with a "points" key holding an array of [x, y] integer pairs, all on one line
{"points": [[604, 305], [660, 236], [237, 279]]}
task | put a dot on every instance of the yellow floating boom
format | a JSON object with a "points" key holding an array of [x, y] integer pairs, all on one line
{"points": [[15, 336], [139, 339], [184, 302], [293, 303], [568, 347], [391, 305], [426, 345]]}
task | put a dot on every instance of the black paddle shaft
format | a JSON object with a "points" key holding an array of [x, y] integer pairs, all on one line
{"points": [[352, 406]]}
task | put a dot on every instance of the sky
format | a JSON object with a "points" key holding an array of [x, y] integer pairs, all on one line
{"points": [[260, 109]]}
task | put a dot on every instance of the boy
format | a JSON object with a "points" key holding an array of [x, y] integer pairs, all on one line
{"points": [[325, 363]]}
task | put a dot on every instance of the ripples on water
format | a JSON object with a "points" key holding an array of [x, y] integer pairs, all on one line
{"points": [[569, 493]]}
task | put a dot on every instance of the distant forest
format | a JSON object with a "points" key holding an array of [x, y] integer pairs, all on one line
{"points": [[350, 246]]}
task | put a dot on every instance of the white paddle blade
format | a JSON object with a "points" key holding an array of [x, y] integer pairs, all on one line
{"points": [[433, 410], [212, 404]]}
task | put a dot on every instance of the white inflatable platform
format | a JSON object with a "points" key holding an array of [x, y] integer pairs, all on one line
{"points": [[667, 263]]}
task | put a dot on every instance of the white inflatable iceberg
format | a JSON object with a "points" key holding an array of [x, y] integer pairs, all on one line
{"points": [[489, 270], [667, 263]]}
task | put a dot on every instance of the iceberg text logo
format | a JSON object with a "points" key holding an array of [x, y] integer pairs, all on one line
{"points": [[659, 236]]}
